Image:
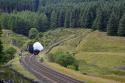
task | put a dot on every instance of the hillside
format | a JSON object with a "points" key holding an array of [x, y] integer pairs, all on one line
{"points": [[11, 39], [98, 54]]}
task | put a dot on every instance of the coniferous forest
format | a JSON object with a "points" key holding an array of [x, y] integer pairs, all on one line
{"points": [[103, 15]]}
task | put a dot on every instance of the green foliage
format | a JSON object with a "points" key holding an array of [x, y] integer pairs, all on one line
{"points": [[102, 15], [67, 20], [8, 54], [53, 20], [33, 33], [121, 29], [1, 47], [11, 51], [4, 21], [99, 21], [11, 39], [112, 26], [64, 59], [118, 72], [22, 22], [42, 22], [74, 66], [21, 27], [10, 6], [88, 17], [18, 42]]}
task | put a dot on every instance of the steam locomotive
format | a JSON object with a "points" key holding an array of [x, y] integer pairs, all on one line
{"points": [[35, 48]]}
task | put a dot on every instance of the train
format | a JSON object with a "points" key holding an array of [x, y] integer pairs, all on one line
{"points": [[35, 48]]}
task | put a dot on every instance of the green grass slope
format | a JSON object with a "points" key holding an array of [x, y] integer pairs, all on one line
{"points": [[11, 39], [52, 36], [100, 42], [97, 53]]}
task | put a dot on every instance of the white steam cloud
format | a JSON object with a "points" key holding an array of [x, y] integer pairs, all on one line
{"points": [[38, 46]]}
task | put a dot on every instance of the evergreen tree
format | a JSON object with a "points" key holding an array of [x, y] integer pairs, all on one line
{"points": [[61, 18], [53, 20], [42, 22], [97, 24], [5, 21], [112, 26], [12, 22], [67, 20], [88, 17], [72, 19], [21, 26], [77, 17], [121, 29], [36, 5]]}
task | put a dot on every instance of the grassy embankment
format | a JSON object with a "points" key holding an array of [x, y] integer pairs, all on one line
{"points": [[17, 41], [99, 55]]}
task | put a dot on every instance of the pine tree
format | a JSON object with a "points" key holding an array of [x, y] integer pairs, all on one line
{"points": [[97, 24], [36, 6], [21, 26], [77, 17], [72, 20], [4, 21], [61, 18], [67, 20], [88, 17], [121, 29], [53, 23], [12, 21], [42, 22], [112, 26]]}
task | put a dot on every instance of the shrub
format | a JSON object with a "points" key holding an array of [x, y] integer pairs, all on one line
{"points": [[33, 33], [76, 65], [9, 54], [64, 59], [11, 51]]}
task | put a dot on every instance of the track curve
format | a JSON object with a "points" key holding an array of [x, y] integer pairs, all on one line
{"points": [[43, 73]]}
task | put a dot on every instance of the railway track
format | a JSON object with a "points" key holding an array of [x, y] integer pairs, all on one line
{"points": [[44, 73]]}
